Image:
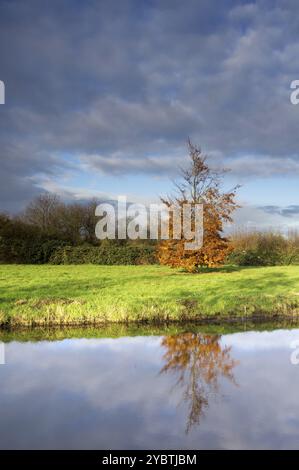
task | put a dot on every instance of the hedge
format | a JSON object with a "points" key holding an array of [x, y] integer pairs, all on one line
{"points": [[109, 255]]}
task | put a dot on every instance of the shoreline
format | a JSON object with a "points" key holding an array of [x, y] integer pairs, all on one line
{"points": [[134, 329], [199, 320]]}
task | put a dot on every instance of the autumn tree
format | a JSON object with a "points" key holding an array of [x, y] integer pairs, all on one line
{"points": [[199, 184]]}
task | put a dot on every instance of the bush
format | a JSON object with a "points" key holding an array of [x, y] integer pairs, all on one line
{"points": [[106, 254], [264, 249], [26, 251], [25, 243], [22, 243]]}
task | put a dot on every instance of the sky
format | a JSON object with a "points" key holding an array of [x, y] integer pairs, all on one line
{"points": [[101, 97]]}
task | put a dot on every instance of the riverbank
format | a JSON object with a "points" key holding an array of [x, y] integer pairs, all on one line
{"points": [[133, 330], [88, 294]]}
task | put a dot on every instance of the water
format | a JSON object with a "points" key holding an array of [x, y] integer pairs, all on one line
{"points": [[190, 390]]}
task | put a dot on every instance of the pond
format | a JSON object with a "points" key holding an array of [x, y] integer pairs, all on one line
{"points": [[186, 390]]}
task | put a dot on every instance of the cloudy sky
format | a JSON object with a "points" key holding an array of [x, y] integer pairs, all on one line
{"points": [[101, 97]]}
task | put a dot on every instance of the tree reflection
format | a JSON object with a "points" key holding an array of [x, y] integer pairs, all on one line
{"points": [[199, 360]]}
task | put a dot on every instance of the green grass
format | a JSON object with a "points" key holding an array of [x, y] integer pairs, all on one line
{"points": [[86, 294]]}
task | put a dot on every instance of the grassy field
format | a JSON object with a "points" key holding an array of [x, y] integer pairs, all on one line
{"points": [[86, 294]]}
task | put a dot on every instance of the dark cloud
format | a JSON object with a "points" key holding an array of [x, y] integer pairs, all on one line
{"points": [[118, 86], [289, 211]]}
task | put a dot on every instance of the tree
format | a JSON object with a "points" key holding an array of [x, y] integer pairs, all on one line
{"points": [[42, 212], [199, 185], [73, 222], [21, 242]]}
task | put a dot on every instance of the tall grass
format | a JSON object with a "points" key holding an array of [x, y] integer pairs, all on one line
{"points": [[265, 248]]}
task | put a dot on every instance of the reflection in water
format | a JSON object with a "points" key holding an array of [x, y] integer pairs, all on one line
{"points": [[107, 393], [199, 360]]}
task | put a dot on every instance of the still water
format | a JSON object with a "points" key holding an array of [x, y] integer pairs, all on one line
{"points": [[189, 390]]}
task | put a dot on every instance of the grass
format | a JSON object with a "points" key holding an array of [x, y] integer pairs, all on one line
{"points": [[89, 294]]}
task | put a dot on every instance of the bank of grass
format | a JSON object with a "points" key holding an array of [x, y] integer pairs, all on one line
{"points": [[89, 294]]}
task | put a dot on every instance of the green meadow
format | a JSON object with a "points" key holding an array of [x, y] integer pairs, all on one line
{"points": [[32, 295]]}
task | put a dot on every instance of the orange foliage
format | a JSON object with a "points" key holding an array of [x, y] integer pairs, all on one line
{"points": [[200, 185]]}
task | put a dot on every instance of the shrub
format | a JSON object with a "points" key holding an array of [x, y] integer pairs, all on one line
{"points": [[25, 243], [22, 243], [264, 249], [109, 255]]}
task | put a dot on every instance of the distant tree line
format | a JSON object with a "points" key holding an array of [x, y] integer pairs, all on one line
{"points": [[52, 231]]}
